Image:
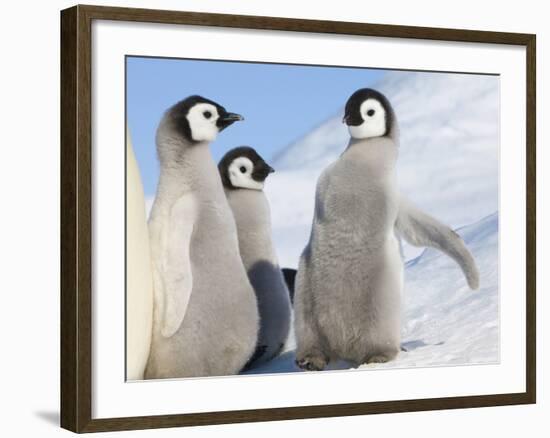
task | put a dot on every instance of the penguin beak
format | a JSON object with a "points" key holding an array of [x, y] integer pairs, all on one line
{"points": [[262, 171], [352, 119], [228, 119]]}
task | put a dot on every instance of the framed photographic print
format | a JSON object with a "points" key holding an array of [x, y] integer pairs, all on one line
{"points": [[268, 218]]}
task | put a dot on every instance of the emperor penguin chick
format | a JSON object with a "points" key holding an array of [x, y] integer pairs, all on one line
{"points": [[205, 319], [348, 287], [243, 173]]}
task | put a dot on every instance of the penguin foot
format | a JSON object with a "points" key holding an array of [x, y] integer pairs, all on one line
{"points": [[377, 359], [381, 358], [312, 363]]}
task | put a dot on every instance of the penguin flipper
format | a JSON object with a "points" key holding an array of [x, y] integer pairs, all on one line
{"points": [[420, 229], [177, 278]]}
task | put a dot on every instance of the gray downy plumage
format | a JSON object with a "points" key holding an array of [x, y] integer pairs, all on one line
{"points": [[243, 174], [348, 287], [420, 229], [205, 311]]}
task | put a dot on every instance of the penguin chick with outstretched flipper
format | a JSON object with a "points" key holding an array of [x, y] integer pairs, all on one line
{"points": [[205, 320], [348, 287], [243, 173]]}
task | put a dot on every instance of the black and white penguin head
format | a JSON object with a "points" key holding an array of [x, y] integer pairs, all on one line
{"points": [[243, 168], [368, 113], [199, 119]]}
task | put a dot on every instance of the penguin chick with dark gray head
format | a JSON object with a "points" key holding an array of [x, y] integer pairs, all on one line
{"points": [[347, 303], [205, 318], [243, 173]]}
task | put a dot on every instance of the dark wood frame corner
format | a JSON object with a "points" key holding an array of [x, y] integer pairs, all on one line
{"points": [[76, 222]]}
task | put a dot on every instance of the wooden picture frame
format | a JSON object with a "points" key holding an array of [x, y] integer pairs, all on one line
{"points": [[76, 217]]}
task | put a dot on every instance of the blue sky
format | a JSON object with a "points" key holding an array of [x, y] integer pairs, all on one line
{"points": [[279, 102]]}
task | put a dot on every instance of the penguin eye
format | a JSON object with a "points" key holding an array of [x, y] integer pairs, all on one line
{"points": [[242, 169], [207, 114], [370, 113]]}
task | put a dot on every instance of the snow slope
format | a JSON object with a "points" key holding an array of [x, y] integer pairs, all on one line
{"points": [[444, 322], [448, 162]]}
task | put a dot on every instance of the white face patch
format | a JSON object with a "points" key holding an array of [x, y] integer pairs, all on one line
{"points": [[240, 174], [374, 120], [202, 119]]}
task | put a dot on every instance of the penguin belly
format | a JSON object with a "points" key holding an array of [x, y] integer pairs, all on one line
{"points": [[220, 327], [139, 281], [360, 316]]}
